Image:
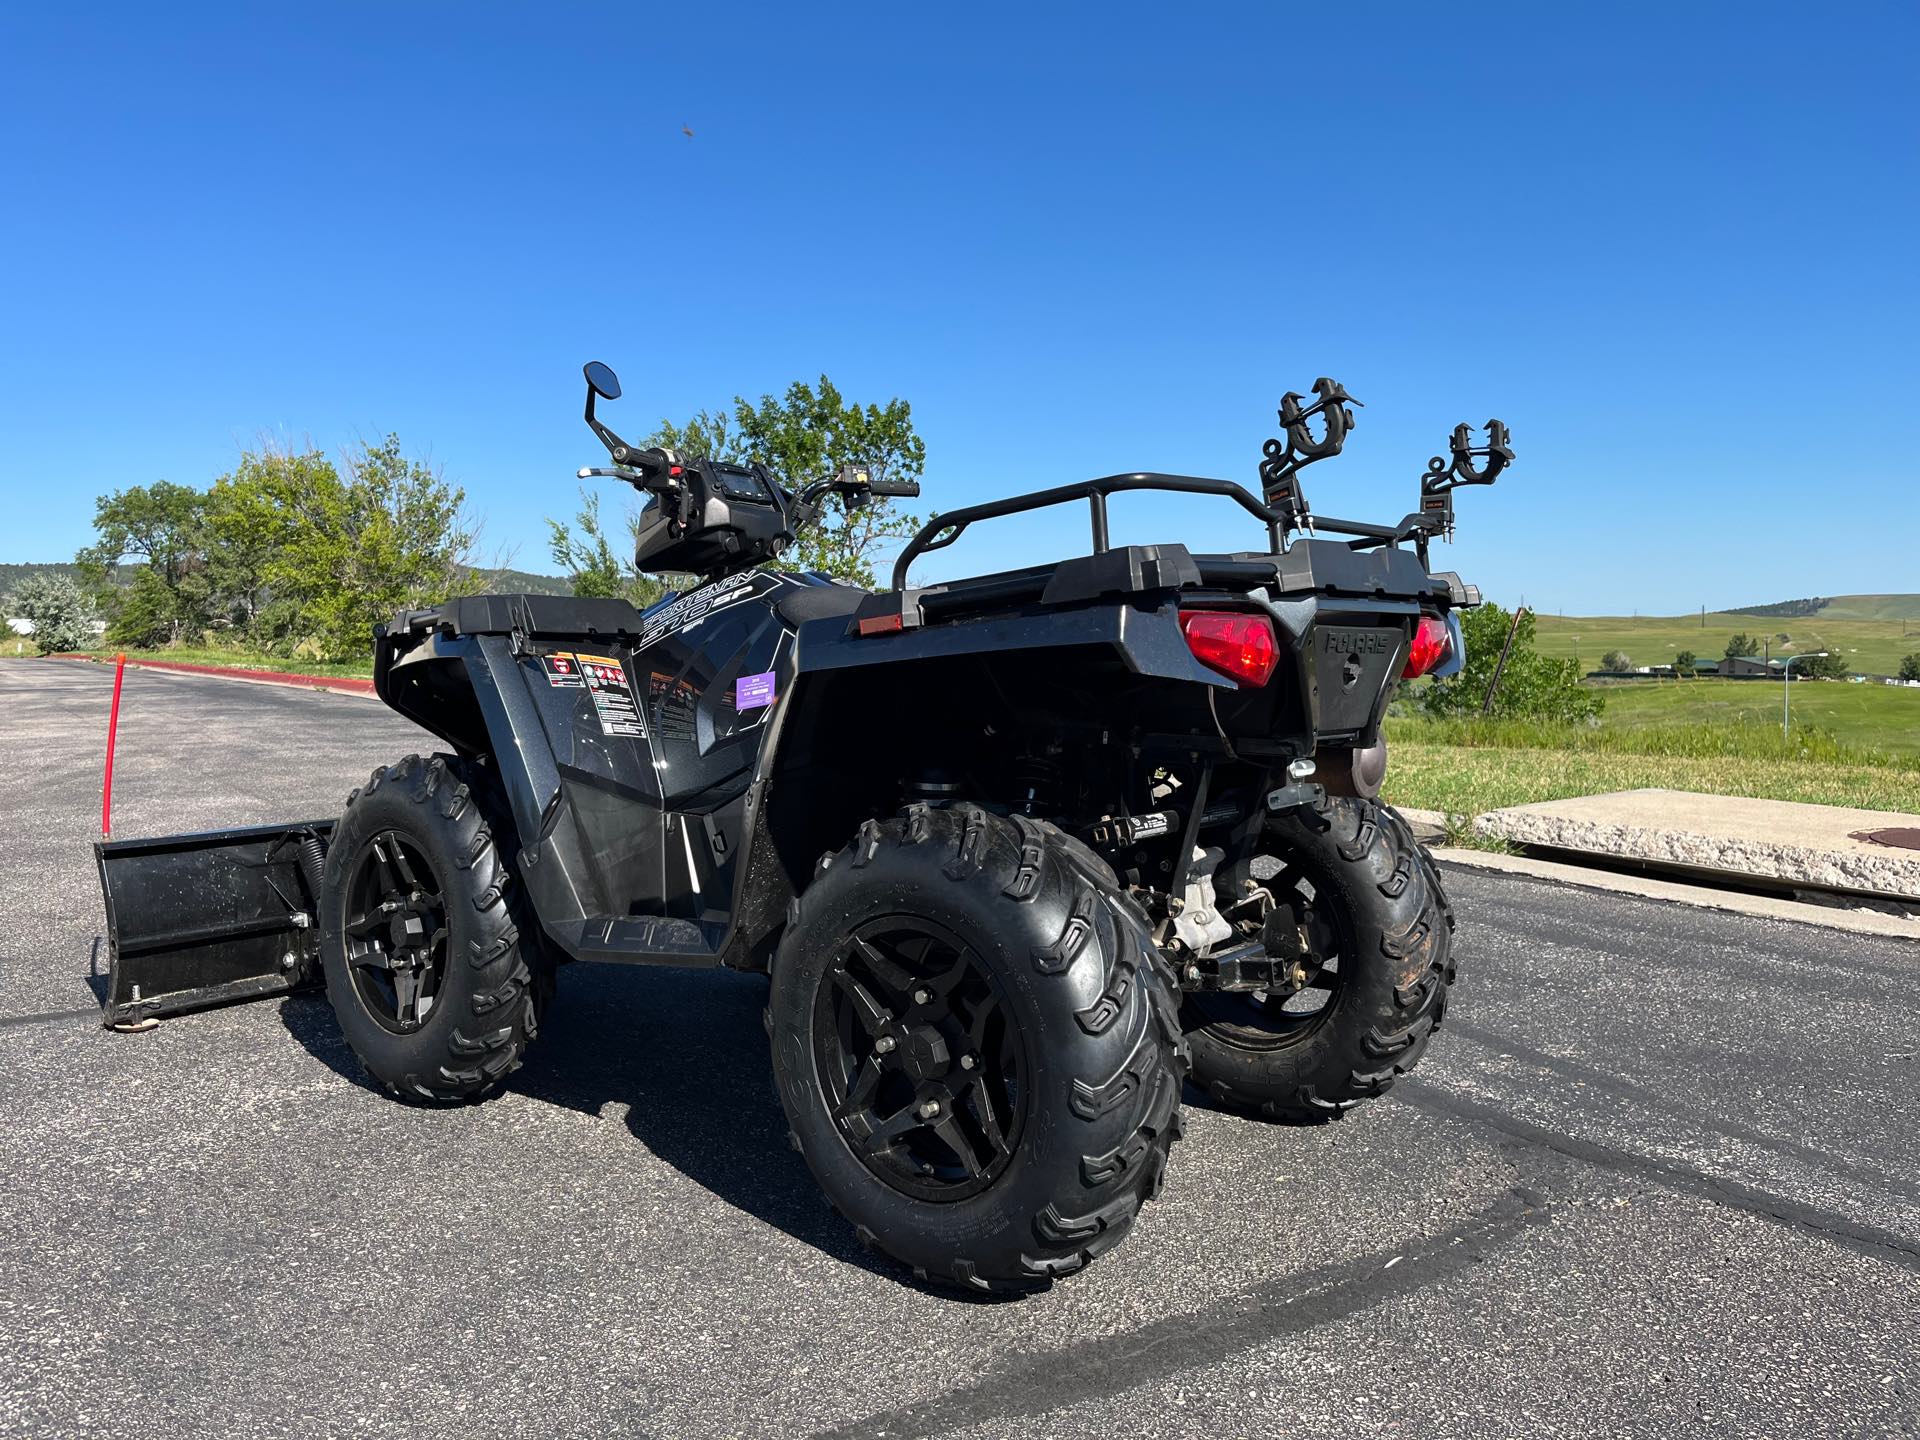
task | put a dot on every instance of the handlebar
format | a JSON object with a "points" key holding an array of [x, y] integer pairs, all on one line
{"points": [[650, 470]]}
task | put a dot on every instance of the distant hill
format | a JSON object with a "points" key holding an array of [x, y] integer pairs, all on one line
{"points": [[522, 582], [12, 575], [1839, 607]]}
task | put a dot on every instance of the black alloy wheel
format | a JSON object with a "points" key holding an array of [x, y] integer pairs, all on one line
{"points": [[1275, 1020], [396, 932], [925, 1076], [976, 1046], [1379, 933]]}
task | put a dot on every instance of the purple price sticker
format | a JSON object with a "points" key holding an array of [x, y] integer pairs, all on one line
{"points": [[753, 692]]}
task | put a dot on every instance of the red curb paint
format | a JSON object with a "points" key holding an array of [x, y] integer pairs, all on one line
{"points": [[351, 684], [347, 684], [113, 729]]}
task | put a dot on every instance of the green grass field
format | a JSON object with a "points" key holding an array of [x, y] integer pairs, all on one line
{"points": [[1872, 645], [1872, 717], [1855, 745], [1462, 780]]}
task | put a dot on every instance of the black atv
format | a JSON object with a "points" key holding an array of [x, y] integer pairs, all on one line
{"points": [[1016, 851]]}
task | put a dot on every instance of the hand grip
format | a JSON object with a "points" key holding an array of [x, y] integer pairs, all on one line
{"points": [[894, 487]]}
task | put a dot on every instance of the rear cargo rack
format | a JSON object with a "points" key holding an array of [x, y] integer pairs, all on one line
{"points": [[945, 529]]}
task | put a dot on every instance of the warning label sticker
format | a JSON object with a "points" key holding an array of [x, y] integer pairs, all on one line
{"points": [[753, 692], [606, 680], [563, 671]]}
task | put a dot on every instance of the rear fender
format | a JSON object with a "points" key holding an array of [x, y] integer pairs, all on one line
{"points": [[1145, 636]]}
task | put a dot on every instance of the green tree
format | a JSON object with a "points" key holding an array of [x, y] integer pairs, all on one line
{"points": [[61, 613], [346, 551], [240, 553], [804, 435], [1742, 646], [1684, 662], [583, 551], [163, 525], [1910, 667], [1533, 686], [1830, 666], [1616, 661]]}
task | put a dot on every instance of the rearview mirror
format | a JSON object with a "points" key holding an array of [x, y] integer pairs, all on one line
{"points": [[601, 380]]}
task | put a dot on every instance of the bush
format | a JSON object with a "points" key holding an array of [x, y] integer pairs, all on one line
{"points": [[1910, 667], [1616, 661], [62, 618], [1532, 687]]}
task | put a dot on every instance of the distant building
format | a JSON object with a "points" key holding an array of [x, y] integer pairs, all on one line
{"points": [[1748, 667]]}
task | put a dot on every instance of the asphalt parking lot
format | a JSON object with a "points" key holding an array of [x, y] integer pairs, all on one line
{"points": [[1658, 1174]]}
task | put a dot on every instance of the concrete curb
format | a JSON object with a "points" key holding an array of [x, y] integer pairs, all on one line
{"points": [[1858, 921], [1429, 826], [1721, 837], [340, 684]]}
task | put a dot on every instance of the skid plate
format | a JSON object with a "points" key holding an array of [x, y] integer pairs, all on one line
{"points": [[205, 919]]}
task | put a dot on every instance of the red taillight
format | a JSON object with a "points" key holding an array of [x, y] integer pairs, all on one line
{"points": [[1430, 645], [1233, 643]]}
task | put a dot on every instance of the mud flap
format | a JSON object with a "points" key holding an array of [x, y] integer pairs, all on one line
{"points": [[210, 918]]}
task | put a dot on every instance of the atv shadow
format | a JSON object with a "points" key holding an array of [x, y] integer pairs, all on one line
{"points": [[685, 1052]]}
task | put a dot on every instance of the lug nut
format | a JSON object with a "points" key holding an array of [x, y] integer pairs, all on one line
{"points": [[921, 997], [930, 1109], [884, 1045], [967, 1062]]}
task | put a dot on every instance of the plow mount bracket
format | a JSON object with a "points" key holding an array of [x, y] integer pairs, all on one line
{"points": [[209, 918]]}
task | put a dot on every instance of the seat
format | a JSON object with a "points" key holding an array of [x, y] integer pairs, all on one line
{"points": [[802, 603]]}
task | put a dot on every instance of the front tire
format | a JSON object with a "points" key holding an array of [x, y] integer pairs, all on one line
{"points": [[431, 963], [1378, 907], [976, 1048]]}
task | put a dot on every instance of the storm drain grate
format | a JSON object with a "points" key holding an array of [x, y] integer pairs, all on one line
{"points": [[1899, 837]]}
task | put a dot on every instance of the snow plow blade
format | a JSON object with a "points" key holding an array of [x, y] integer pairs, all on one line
{"points": [[210, 918]]}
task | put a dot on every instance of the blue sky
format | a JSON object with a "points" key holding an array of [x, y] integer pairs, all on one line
{"points": [[1673, 247]]}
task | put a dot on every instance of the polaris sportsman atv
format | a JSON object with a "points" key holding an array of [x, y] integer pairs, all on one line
{"points": [[1015, 851]]}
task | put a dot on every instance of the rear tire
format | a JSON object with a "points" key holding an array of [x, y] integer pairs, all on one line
{"points": [[1068, 1020], [447, 1017], [1380, 893]]}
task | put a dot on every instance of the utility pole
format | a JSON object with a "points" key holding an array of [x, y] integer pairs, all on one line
{"points": [[1486, 705]]}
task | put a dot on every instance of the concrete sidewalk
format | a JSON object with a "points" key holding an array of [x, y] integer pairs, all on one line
{"points": [[1819, 847]]}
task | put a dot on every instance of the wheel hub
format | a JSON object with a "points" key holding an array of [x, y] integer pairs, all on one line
{"points": [[396, 931], [925, 1055]]}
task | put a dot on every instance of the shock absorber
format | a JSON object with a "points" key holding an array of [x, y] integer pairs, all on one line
{"points": [[1036, 785], [313, 861]]}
